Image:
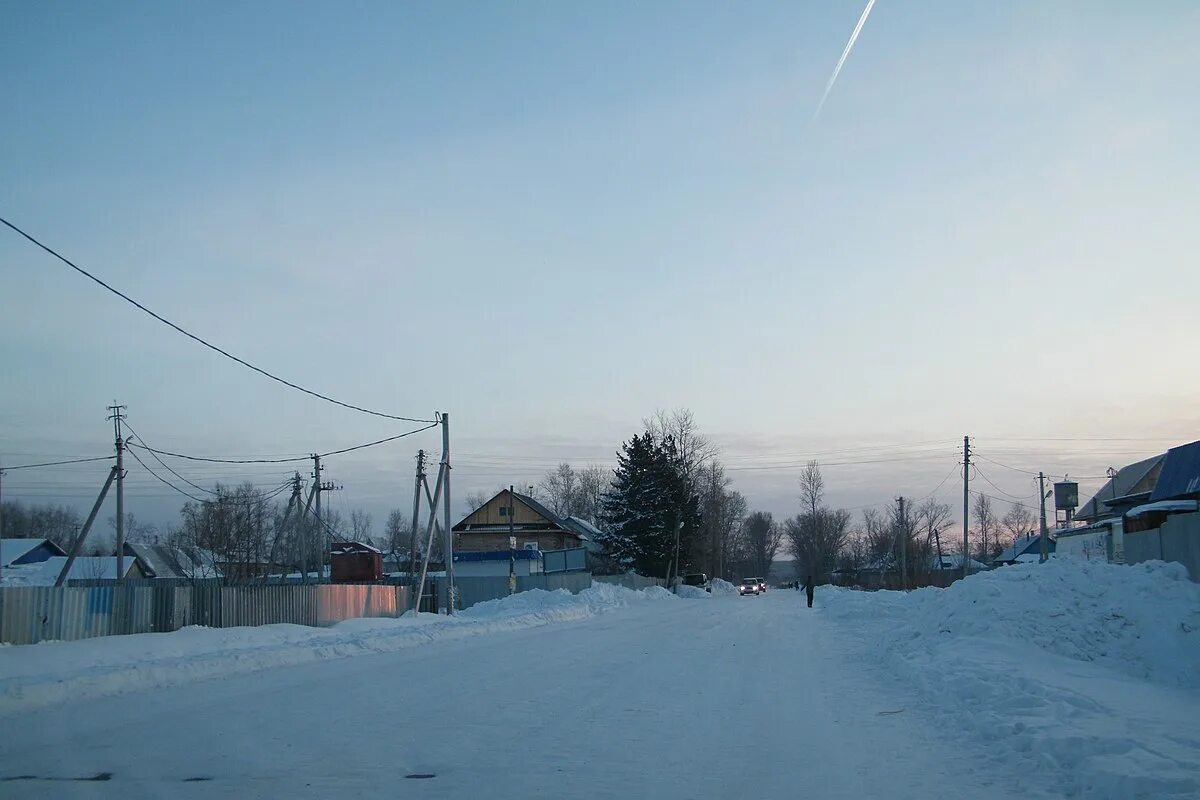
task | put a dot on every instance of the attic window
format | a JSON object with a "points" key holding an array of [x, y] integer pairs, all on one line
{"points": [[504, 511]]}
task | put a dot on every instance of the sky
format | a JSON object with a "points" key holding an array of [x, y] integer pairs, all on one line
{"points": [[549, 220]]}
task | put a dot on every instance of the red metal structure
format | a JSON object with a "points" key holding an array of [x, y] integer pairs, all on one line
{"points": [[354, 562]]}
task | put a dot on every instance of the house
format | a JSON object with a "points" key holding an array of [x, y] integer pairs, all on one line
{"points": [[1025, 548], [166, 561], [1129, 487], [535, 527], [85, 568], [27, 551], [354, 562], [953, 562]]}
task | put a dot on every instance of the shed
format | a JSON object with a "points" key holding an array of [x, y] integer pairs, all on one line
{"points": [[352, 562]]}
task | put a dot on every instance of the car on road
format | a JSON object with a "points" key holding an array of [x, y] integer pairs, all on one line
{"points": [[750, 586], [699, 580]]}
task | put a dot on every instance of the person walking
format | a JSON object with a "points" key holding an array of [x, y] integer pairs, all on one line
{"points": [[808, 590]]}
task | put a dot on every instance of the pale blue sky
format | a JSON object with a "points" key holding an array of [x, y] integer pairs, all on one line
{"points": [[550, 219]]}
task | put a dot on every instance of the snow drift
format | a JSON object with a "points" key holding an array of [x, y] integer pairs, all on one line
{"points": [[1080, 673], [32, 676]]}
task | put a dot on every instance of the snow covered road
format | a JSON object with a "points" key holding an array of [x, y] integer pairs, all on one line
{"points": [[724, 697]]}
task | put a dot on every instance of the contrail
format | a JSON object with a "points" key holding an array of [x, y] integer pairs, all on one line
{"points": [[849, 46]]}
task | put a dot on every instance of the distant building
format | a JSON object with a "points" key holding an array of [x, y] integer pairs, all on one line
{"points": [[1130, 487], [534, 526], [354, 562], [1025, 548], [85, 568], [27, 551]]}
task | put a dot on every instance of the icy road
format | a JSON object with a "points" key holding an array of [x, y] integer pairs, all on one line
{"points": [[735, 697], [613, 693]]}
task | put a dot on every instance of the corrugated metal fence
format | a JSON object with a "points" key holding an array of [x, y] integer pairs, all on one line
{"points": [[31, 614]]}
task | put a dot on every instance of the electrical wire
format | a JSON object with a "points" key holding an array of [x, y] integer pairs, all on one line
{"points": [[138, 459], [983, 475], [165, 465], [199, 340], [144, 446], [57, 463]]}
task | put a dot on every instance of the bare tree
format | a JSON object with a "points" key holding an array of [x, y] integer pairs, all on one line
{"points": [[560, 488], [1017, 522], [933, 517], [692, 448], [592, 480], [763, 537], [360, 525], [986, 528], [817, 535]]}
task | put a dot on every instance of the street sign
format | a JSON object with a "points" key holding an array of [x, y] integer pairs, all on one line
{"points": [[512, 543]]}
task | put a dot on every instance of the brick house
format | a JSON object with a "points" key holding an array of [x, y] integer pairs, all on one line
{"points": [[535, 526]]}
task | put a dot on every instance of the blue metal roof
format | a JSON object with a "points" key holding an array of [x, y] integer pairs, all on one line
{"points": [[496, 555], [1180, 477]]}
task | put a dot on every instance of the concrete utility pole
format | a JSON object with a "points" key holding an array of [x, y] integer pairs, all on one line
{"points": [[116, 416], [87, 526], [1044, 544], [512, 545], [966, 553], [902, 523], [451, 589], [412, 534], [1, 518]]}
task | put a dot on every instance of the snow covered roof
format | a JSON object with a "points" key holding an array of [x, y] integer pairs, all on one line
{"points": [[585, 529], [1136, 478], [954, 561], [353, 547], [1163, 505], [1024, 545], [45, 573], [13, 549], [1180, 475], [165, 561]]}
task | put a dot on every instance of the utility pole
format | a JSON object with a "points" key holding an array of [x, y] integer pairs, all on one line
{"points": [[512, 546], [900, 521], [966, 553], [87, 526], [1, 518], [412, 538], [116, 416], [451, 589], [1044, 544]]}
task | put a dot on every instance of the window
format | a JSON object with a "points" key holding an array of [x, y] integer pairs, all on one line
{"points": [[504, 511]]}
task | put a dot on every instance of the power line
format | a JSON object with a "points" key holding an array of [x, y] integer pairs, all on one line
{"points": [[138, 459], [1035, 474], [57, 463], [165, 465], [204, 342], [981, 474], [144, 446]]}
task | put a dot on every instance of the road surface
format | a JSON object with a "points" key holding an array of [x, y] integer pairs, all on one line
{"points": [[753, 697]]}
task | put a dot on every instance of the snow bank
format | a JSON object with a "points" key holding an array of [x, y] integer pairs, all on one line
{"points": [[1080, 673], [32, 676], [1142, 620], [692, 592], [723, 588]]}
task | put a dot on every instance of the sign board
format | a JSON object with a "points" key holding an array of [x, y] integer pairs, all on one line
{"points": [[512, 543]]}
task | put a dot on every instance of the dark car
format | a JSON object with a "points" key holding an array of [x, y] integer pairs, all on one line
{"points": [[697, 579]]}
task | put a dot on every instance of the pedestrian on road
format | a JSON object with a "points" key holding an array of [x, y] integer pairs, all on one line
{"points": [[808, 590]]}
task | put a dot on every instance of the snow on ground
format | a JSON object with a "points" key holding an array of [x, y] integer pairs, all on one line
{"points": [[1064, 679], [1082, 674], [723, 588], [36, 675]]}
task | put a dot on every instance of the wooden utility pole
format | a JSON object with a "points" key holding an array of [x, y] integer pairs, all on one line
{"points": [[966, 553], [512, 545], [903, 532]]}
